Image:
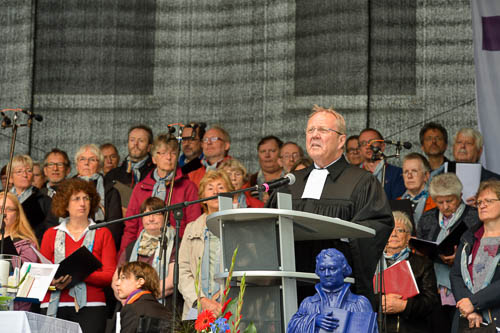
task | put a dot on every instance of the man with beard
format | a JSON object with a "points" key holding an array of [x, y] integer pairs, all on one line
{"points": [[434, 141], [192, 152], [138, 162]]}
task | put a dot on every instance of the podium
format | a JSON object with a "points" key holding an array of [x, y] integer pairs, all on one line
{"points": [[266, 255]]}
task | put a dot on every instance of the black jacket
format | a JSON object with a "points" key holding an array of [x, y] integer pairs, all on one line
{"points": [[120, 174], [146, 306], [428, 226], [37, 209], [414, 318], [484, 299]]}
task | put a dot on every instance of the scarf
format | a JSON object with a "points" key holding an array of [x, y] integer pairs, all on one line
{"points": [[242, 201], [157, 265], [50, 190], [208, 166], [443, 271], [79, 291], [135, 295], [395, 258], [100, 213], [134, 167], [160, 187], [24, 195], [419, 200]]}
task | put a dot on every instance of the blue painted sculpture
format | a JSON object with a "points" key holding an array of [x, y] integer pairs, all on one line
{"points": [[334, 308]]}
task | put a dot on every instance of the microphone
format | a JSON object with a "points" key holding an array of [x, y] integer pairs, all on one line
{"points": [[171, 129], [406, 145], [288, 179], [6, 120], [32, 115]]}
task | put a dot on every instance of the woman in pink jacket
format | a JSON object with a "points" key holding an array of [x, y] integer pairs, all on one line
{"points": [[165, 153]]}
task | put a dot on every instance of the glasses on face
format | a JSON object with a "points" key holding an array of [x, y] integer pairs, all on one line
{"points": [[486, 202], [23, 171], [10, 210], [369, 142], [400, 231], [90, 159], [53, 165], [290, 156], [322, 130], [234, 174], [213, 139]]}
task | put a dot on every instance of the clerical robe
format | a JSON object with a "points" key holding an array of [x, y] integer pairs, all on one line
{"points": [[354, 195]]}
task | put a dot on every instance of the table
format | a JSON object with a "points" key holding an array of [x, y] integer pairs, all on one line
{"points": [[29, 322]]}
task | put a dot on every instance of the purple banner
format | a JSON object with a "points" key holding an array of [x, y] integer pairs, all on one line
{"points": [[491, 33]]}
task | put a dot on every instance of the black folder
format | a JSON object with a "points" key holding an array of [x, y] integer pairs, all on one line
{"points": [[80, 264], [445, 247], [9, 247]]}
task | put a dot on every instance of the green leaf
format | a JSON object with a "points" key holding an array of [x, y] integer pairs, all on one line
{"points": [[250, 329]]}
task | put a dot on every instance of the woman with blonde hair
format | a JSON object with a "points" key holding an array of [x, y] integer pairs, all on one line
{"points": [[18, 228], [239, 178], [199, 242]]}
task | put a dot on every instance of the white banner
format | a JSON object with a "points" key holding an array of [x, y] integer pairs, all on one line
{"points": [[486, 36]]}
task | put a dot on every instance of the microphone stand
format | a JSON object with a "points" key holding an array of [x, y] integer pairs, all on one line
{"points": [[379, 155], [177, 209], [178, 214], [6, 123]]}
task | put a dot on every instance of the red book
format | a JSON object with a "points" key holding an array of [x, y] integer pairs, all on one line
{"points": [[398, 279]]}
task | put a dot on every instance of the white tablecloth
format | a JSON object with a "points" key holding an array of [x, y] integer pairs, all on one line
{"points": [[28, 322]]}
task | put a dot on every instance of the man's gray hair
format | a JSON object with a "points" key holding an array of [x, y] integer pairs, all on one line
{"points": [[471, 133]]}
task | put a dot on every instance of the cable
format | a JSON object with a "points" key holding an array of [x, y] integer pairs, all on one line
{"points": [[433, 117]]}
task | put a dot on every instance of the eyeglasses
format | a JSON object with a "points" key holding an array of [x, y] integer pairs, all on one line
{"points": [[234, 173], [370, 142], [322, 130], [169, 153], [487, 202], [90, 160], [212, 139], [58, 164], [10, 209], [400, 231], [21, 172], [290, 156]]}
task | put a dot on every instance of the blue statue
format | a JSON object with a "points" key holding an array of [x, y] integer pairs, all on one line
{"points": [[334, 308]]}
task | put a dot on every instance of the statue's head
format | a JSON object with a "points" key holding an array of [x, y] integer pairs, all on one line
{"points": [[332, 268]]}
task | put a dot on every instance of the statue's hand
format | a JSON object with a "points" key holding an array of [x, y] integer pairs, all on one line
{"points": [[326, 322]]}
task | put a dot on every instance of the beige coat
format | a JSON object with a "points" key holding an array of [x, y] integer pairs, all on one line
{"points": [[190, 253]]}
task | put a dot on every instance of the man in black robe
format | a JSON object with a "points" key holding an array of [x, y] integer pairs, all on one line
{"points": [[342, 191]]}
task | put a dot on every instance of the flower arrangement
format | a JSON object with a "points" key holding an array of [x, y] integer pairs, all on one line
{"points": [[208, 322]]}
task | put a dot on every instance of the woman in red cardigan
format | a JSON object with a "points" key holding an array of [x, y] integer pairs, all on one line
{"points": [[74, 202]]}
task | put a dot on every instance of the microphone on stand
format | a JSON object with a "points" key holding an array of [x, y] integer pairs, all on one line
{"points": [[37, 117], [288, 179], [406, 145]]}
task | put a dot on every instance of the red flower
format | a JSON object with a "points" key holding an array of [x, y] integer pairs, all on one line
{"points": [[204, 320], [228, 315], [225, 305]]}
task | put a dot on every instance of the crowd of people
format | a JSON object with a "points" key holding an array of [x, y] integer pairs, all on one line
{"points": [[50, 211]]}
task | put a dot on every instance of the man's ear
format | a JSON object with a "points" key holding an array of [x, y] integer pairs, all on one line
{"points": [[140, 282]]}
